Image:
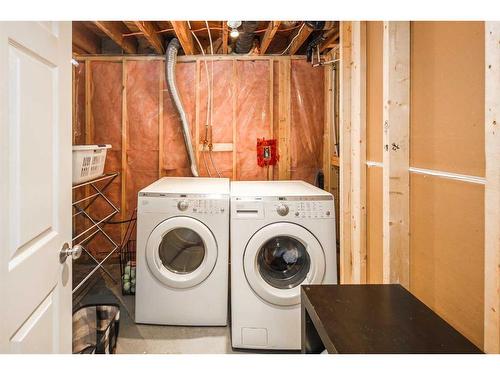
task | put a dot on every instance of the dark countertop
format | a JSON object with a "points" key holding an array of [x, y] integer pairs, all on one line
{"points": [[378, 319]]}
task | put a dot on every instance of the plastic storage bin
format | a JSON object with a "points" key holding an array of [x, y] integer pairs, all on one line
{"points": [[95, 329], [88, 162]]}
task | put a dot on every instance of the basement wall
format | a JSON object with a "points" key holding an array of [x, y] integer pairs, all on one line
{"points": [[446, 135], [126, 104]]}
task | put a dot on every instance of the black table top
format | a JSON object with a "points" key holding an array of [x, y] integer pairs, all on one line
{"points": [[379, 319]]}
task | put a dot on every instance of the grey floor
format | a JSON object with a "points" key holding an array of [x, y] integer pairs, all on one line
{"points": [[142, 339]]}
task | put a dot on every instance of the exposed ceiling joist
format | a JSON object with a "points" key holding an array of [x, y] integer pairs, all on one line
{"points": [[185, 37], [330, 40], [225, 33], [268, 36], [299, 38], [115, 30], [150, 31], [85, 39]]}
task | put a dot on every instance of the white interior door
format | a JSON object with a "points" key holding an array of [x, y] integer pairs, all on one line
{"points": [[35, 186]]}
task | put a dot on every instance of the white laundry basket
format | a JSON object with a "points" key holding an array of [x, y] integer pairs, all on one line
{"points": [[88, 162]]}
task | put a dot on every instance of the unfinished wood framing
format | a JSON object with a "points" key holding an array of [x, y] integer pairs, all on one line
{"points": [[225, 33], [358, 152], [330, 41], [150, 32], [271, 112], [268, 36], [492, 189], [299, 39], [185, 37], [124, 149], [115, 31], [160, 120], [345, 152], [284, 119], [327, 130], [197, 112], [85, 39], [234, 102], [188, 58], [396, 153]]}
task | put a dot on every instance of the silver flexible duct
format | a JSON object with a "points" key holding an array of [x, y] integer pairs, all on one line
{"points": [[170, 61]]}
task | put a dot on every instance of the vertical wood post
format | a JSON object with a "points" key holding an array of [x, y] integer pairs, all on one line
{"points": [[358, 152], [124, 148], [396, 129], [160, 119], [492, 189], [345, 152], [328, 125], [235, 103], [284, 119]]}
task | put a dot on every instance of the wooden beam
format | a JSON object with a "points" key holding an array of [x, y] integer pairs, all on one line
{"points": [[123, 202], [492, 190], [271, 112], [225, 33], [358, 152], [268, 36], [197, 110], [115, 30], [184, 35], [161, 89], [331, 39], [219, 147], [150, 31], [345, 152], [396, 152], [284, 119], [85, 39], [234, 84], [328, 124], [299, 38]]}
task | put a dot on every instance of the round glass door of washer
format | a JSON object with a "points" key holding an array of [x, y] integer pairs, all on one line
{"points": [[279, 258], [181, 252]]}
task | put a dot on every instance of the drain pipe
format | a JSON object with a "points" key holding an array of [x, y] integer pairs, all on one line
{"points": [[170, 61]]}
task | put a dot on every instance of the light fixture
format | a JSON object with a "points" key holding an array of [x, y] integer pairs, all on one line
{"points": [[233, 25]]}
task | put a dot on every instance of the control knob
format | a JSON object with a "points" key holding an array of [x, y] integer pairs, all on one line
{"points": [[282, 210], [182, 205]]}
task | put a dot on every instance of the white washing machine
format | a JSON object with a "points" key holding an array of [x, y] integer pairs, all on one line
{"points": [[282, 237], [182, 252]]}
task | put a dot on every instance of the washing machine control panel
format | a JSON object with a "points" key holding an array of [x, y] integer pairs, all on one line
{"points": [[302, 209]]}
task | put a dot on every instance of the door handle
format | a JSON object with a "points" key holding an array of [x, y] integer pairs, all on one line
{"points": [[66, 251]]}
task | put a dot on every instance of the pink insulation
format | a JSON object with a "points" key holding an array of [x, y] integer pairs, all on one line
{"points": [[252, 116], [307, 124], [143, 80], [106, 129]]}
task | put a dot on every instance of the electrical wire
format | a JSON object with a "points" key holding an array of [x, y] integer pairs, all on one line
{"points": [[293, 39], [205, 140]]}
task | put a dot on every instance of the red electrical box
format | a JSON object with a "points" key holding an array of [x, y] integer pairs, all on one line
{"points": [[267, 152]]}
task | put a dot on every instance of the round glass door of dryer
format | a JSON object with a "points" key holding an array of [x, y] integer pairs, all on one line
{"points": [[181, 252], [281, 257]]}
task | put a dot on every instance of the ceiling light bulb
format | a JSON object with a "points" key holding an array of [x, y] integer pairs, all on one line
{"points": [[234, 33]]}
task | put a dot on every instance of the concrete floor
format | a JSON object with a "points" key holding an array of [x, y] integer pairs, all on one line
{"points": [[141, 339]]}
